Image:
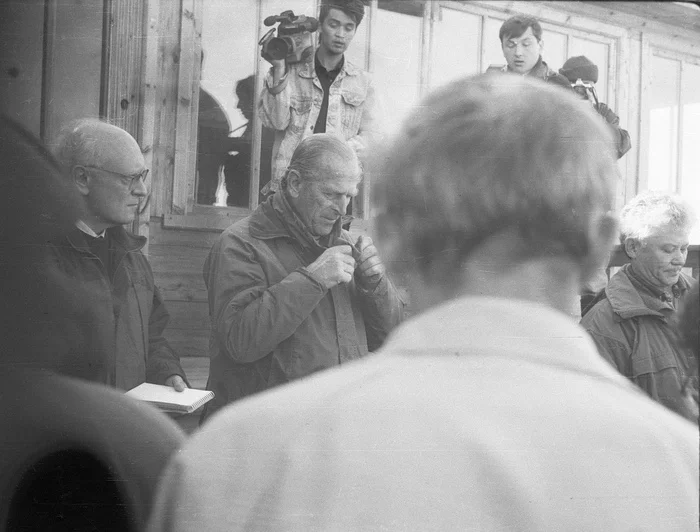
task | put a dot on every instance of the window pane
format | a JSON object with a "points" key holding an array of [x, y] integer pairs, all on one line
{"points": [[663, 124], [227, 96], [690, 159], [357, 50], [396, 63], [493, 53], [455, 47], [554, 53], [228, 57], [598, 54]]}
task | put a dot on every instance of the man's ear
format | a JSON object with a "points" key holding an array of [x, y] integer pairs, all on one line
{"points": [[81, 179], [294, 183], [603, 235], [540, 43], [632, 247]]}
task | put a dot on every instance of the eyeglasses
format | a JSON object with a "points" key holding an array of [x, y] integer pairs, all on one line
{"points": [[128, 180]]}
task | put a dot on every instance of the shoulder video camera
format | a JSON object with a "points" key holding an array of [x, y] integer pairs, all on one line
{"points": [[293, 42]]}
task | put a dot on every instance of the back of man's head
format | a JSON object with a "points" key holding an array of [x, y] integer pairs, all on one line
{"points": [[517, 25], [489, 154]]}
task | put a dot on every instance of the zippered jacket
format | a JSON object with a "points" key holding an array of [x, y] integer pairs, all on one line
{"points": [[635, 332], [138, 318], [272, 321]]}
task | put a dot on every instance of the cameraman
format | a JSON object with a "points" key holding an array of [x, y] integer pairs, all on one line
{"points": [[324, 94], [582, 73]]}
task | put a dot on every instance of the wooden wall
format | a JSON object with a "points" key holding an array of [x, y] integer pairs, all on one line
{"points": [[177, 258]]}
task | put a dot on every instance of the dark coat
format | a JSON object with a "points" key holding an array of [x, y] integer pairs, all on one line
{"points": [[138, 317], [634, 332], [77, 456], [272, 322]]}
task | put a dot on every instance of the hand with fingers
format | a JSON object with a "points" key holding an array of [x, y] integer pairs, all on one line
{"points": [[370, 269], [335, 265]]}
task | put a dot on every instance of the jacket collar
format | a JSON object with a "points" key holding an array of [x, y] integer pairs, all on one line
{"points": [[307, 69], [124, 240], [276, 218], [630, 298], [538, 71], [517, 329]]}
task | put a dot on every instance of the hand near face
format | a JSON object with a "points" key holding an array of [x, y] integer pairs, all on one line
{"points": [[334, 266], [370, 269]]}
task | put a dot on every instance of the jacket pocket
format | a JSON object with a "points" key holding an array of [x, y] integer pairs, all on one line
{"points": [[300, 110], [352, 112]]}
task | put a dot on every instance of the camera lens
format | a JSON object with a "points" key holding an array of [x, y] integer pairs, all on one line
{"points": [[278, 48]]}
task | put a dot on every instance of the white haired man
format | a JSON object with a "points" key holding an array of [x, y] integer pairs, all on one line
{"points": [[492, 410], [633, 324], [290, 292], [106, 167]]}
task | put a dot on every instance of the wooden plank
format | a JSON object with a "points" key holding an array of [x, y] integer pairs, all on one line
{"points": [[160, 236], [189, 315], [187, 104], [189, 342], [181, 286], [168, 53]]}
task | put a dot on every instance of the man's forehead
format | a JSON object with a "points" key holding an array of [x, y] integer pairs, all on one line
{"points": [[527, 34], [669, 234], [339, 15]]}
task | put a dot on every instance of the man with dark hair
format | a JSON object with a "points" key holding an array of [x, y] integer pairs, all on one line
{"points": [[105, 166], [290, 292], [490, 409], [325, 93], [582, 74], [521, 41]]}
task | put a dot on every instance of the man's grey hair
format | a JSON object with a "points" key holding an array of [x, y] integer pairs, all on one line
{"points": [[652, 210], [491, 153], [317, 153], [76, 145]]}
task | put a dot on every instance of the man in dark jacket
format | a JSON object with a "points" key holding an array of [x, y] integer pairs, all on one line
{"points": [[107, 168], [634, 323], [582, 73], [522, 45], [291, 292], [74, 455]]}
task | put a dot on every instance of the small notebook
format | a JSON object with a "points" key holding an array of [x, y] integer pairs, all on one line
{"points": [[169, 400]]}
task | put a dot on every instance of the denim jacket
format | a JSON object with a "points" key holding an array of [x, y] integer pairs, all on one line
{"points": [[292, 106]]}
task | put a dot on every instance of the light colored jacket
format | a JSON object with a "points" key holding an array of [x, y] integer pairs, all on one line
{"points": [[292, 106], [482, 414]]}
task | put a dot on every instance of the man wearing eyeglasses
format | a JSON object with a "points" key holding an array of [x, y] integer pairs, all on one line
{"points": [[522, 45], [109, 172]]}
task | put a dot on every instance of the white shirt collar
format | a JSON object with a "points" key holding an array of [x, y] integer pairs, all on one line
{"points": [[85, 228]]}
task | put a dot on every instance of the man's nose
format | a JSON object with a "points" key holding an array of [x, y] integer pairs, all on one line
{"points": [[342, 204], [140, 188], [679, 257]]}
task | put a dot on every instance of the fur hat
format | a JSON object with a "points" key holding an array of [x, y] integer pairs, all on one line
{"points": [[579, 67]]}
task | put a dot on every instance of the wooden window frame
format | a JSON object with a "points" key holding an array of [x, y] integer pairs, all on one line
{"points": [[185, 213]]}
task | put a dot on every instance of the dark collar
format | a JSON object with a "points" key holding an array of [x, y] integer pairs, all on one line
{"points": [[276, 218], [118, 235]]}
